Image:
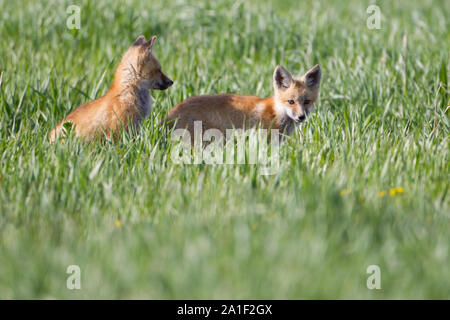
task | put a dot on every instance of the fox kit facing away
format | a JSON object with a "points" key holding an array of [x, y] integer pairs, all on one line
{"points": [[128, 101], [293, 100]]}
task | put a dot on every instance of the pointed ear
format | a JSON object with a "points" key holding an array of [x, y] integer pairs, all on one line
{"points": [[139, 41], [282, 79], [312, 77], [149, 44]]}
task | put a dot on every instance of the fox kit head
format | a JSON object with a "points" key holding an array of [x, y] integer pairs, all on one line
{"points": [[295, 97], [141, 66]]}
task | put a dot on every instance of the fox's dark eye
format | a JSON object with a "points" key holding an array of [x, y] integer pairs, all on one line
{"points": [[307, 101], [291, 101]]}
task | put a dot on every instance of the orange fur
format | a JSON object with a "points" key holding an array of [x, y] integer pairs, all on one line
{"points": [[228, 111], [128, 100]]}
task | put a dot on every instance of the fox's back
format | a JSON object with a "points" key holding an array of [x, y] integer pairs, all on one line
{"points": [[220, 111]]}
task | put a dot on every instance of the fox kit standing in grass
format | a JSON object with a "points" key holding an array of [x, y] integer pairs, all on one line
{"points": [[128, 100], [293, 100]]}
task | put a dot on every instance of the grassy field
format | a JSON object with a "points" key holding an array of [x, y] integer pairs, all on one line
{"points": [[140, 226]]}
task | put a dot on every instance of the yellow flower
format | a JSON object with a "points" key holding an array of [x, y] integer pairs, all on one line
{"points": [[394, 191], [118, 223], [345, 192], [381, 194]]}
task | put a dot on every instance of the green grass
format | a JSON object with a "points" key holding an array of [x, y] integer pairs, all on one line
{"points": [[224, 231]]}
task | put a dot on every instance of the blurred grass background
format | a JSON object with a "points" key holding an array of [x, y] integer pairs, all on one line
{"points": [[197, 231]]}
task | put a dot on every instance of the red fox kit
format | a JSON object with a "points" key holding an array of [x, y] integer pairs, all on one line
{"points": [[292, 101], [127, 101]]}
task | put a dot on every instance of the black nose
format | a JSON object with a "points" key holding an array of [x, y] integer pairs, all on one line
{"points": [[302, 118], [169, 83]]}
